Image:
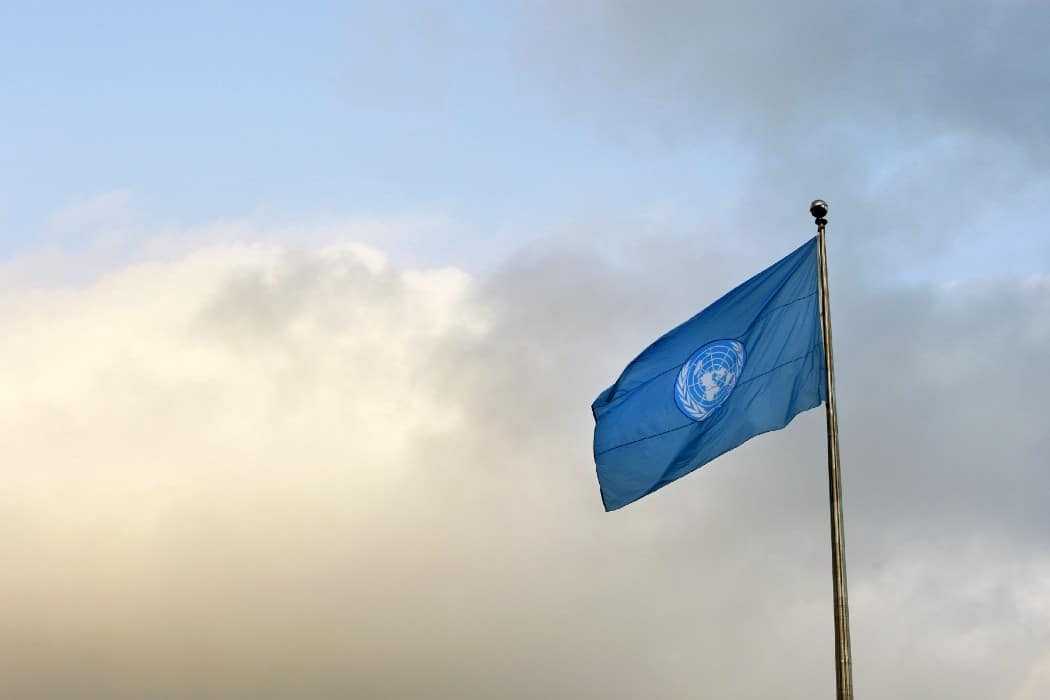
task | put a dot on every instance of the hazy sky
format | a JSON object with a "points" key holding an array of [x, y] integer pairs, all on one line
{"points": [[304, 310]]}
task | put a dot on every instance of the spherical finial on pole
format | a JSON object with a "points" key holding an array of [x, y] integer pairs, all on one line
{"points": [[819, 210]]}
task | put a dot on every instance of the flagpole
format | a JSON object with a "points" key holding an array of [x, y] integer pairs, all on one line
{"points": [[843, 657]]}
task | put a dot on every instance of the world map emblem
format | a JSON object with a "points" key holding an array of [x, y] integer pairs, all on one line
{"points": [[708, 378]]}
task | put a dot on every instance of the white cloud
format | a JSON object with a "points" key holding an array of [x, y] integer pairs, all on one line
{"points": [[180, 435], [255, 470]]}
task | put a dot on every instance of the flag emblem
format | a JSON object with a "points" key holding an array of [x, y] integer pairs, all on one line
{"points": [[708, 378]]}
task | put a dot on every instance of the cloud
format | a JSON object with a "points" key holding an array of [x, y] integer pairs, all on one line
{"points": [[792, 68], [108, 211], [924, 127], [191, 441], [262, 470]]}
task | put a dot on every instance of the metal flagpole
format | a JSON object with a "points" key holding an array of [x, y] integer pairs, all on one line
{"points": [[843, 658]]}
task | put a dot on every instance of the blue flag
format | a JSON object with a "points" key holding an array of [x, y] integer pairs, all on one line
{"points": [[745, 365]]}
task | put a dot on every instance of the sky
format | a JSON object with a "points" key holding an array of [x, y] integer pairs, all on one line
{"points": [[304, 310]]}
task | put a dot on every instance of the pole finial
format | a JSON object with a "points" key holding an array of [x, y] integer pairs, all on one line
{"points": [[819, 209]]}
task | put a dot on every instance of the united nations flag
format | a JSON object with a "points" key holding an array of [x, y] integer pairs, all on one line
{"points": [[745, 365]]}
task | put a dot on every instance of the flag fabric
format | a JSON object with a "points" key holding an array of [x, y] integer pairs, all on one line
{"points": [[745, 365]]}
